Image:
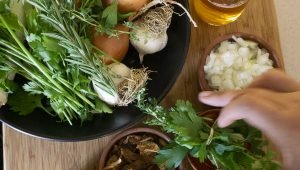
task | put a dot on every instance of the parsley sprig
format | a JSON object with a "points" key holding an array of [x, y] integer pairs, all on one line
{"points": [[236, 147]]}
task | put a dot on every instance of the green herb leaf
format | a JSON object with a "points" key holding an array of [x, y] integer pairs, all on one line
{"points": [[23, 103], [202, 152], [124, 16], [172, 156], [220, 149], [185, 120], [51, 44], [101, 107], [226, 161], [12, 21], [110, 14], [2, 6], [6, 84]]}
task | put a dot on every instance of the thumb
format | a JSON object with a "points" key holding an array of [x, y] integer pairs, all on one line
{"points": [[219, 99]]}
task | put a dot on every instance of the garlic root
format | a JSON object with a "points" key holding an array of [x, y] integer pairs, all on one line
{"points": [[164, 2]]}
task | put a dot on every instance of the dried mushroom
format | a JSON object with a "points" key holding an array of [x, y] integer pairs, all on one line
{"points": [[147, 148], [135, 152]]}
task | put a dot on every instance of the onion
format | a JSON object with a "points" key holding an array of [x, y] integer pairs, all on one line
{"points": [[233, 65], [114, 47], [126, 6]]}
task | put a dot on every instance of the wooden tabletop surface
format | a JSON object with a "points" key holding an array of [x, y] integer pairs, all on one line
{"points": [[22, 152]]}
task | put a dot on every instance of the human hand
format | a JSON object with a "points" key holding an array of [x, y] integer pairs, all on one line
{"points": [[272, 104]]}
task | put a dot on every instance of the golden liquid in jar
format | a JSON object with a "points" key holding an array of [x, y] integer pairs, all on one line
{"points": [[219, 12]]}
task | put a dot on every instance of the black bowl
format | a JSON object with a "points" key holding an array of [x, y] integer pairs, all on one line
{"points": [[167, 65]]}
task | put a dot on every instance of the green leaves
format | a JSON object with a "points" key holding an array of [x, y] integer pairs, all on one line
{"points": [[51, 45], [34, 24], [184, 119], [12, 21], [102, 107], [46, 50], [53, 36], [184, 106], [6, 84], [202, 152], [226, 149], [220, 149], [110, 14], [172, 156], [10, 18], [110, 17], [23, 103], [226, 161]]}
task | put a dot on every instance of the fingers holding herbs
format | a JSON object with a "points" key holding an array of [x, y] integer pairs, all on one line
{"points": [[271, 104]]}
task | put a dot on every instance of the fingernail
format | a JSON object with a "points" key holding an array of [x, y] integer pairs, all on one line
{"points": [[205, 94]]}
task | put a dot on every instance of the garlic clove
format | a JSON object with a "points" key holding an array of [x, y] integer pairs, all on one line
{"points": [[3, 98], [111, 99], [119, 72]]}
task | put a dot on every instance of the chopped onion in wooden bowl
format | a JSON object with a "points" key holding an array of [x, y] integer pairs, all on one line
{"points": [[233, 61]]}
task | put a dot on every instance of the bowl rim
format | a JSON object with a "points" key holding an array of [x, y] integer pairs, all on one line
{"points": [[278, 63], [125, 133]]}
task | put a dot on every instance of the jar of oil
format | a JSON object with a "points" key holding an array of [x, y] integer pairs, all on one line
{"points": [[219, 12]]}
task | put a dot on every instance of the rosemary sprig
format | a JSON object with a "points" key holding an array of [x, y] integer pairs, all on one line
{"points": [[80, 50]]}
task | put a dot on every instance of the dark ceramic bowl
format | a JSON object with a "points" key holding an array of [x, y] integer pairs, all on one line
{"points": [[261, 43], [166, 65]]}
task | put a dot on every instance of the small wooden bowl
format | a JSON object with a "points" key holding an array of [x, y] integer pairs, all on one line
{"points": [[261, 43], [125, 133]]}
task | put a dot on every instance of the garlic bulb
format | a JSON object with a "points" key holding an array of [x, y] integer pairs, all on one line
{"points": [[148, 43], [111, 99]]}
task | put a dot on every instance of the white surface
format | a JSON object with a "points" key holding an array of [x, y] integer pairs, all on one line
{"points": [[288, 13]]}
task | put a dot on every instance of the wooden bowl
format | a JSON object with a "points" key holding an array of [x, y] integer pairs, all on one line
{"points": [[261, 43], [139, 130]]}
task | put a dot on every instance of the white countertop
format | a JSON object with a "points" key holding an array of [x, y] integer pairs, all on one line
{"points": [[288, 14]]}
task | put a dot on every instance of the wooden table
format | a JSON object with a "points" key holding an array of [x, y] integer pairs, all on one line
{"points": [[22, 152]]}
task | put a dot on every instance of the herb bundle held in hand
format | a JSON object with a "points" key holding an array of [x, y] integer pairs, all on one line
{"points": [[198, 136], [59, 62]]}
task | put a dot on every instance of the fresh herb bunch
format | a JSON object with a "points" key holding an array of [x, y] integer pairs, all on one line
{"points": [[103, 19], [57, 59], [236, 147]]}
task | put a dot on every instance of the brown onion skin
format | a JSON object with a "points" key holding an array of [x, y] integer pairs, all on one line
{"points": [[126, 6], [115, 47]]}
